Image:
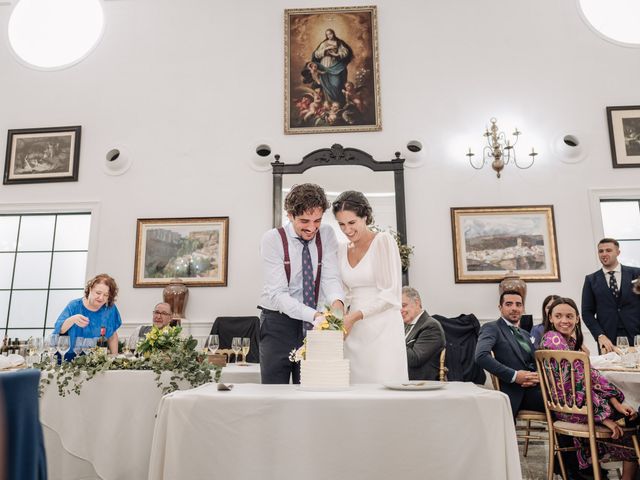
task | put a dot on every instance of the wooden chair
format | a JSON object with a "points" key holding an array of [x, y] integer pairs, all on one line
{"points": [[442, 371], [562, 399], [525, 430]]}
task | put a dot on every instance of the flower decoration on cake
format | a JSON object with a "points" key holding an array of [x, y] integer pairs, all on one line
{"points": [[296, 355], [333, 320]]}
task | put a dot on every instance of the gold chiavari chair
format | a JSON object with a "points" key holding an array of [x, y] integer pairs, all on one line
{"points": [[442, 371], [530, 425], [560, 397]]}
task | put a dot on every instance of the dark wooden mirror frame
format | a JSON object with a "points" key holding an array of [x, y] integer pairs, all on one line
{"points": [[337, 155]]}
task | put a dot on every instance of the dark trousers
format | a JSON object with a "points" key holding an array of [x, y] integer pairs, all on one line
{"points": [[532, 400], [279, 335]]}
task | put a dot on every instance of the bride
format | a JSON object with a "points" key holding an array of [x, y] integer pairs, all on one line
{"points": [[372, 274]]}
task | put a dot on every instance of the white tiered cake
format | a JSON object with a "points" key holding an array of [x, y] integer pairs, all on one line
{"points": [[324, 366]]}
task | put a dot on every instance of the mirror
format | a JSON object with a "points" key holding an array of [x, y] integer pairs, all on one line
{"points": [[349, 169]]}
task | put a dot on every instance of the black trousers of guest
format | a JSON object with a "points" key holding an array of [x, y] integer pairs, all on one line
{"points": [[279, 335]]}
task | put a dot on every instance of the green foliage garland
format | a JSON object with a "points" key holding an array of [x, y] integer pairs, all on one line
{"points": [[167, 353]]}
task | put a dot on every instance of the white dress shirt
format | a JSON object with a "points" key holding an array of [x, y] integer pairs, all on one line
{"points": [[277, 295]]}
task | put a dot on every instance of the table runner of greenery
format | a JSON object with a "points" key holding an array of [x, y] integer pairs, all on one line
{"points": [[162, 350]]}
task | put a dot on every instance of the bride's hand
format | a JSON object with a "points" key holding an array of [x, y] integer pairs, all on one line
{"points": [[350, 319]]}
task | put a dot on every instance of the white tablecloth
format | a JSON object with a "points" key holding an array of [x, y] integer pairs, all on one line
{"points": [[367, 432], [628, 382], [108, 428], [233, 373]]}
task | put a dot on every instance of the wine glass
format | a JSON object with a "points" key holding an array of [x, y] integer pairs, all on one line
{"points": [[126, 348], [51, 344], [623, 345], [63, 345], [236, 346], [77, 347], [133, 343], [246, 346], [90, 344], [213, 343]]}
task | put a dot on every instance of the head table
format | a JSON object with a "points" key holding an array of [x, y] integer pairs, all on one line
{"points": [[106, 431], [366, 432]]}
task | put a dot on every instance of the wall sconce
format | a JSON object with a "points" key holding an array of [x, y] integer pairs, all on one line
{"points": [[260, 160], [415, 154], [569, 148], [499, 150], [116, 162]]}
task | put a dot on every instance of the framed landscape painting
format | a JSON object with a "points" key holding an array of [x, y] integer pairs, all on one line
{"points": [[489, 242], [331, 70], [191, 249], [624, 136], [39, 155]]}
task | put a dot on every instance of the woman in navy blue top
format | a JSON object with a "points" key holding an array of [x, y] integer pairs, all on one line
{"points": [[87, 316]]}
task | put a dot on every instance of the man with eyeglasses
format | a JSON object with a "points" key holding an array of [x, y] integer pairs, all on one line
{"points": [[161, 318]]}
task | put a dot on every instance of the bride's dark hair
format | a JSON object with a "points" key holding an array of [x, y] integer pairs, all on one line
{"points": [[355, 202]]}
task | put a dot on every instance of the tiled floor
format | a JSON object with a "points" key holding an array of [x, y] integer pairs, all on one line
{"points": [[534, 466]]}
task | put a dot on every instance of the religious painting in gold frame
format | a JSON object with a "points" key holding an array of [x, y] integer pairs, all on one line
{"points": [[332, 80]]}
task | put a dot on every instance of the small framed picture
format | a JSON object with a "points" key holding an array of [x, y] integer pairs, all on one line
{"points": [[332, 80], [42, 155], [624, 136], [489, 242], [191, 249]]}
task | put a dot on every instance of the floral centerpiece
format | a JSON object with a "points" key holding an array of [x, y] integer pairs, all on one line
{"points": [[333, 320], [162, 350]]}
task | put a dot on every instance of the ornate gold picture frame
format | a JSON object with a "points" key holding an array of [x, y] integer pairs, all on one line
{"points": [[195, 250], [489, 242], [332, 80]]}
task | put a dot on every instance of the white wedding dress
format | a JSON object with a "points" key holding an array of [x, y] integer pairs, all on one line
{"points": [[375, 346]]}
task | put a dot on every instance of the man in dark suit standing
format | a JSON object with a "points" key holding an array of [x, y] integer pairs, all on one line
{"points": [[424, 337], [609, 307], [514, 362]]}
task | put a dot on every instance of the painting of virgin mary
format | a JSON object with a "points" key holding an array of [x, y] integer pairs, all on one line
{"points": [[332, 70]]}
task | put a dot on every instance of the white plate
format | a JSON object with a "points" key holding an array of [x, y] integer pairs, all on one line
{"points": [[416, 385]]}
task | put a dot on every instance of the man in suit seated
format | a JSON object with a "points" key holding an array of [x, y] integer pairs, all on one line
{"points": [[514, 363], [161, 318], [424, 337], [610, 308]]}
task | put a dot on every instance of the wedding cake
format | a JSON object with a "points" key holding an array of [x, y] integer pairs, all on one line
{"points": [[324, 366]]}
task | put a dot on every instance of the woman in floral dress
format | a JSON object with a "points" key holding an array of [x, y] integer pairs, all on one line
{"points": [[565, 334]]}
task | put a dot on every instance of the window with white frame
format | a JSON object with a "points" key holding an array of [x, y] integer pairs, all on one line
{"points": [[621, 220], [43, 263]]}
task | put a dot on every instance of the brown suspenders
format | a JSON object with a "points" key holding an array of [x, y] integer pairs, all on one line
{"points": [[287, 261]]}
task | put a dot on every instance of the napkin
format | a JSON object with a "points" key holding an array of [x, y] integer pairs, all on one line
{"points": [[11, 361], [608, 359]]}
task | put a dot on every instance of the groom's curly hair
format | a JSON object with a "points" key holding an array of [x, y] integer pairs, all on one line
{"points": [[304, 198]]}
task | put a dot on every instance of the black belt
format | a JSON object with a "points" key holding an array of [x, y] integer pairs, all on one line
{"points": [[266, 310]]}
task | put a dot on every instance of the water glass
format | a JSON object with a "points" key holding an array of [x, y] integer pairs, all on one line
{"points": [[89, 344]]}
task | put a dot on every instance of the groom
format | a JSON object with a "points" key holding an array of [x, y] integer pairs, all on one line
{"points": [[300, 271]]}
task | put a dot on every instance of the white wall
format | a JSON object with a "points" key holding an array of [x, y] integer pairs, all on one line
{"points": [[187, 87]]}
